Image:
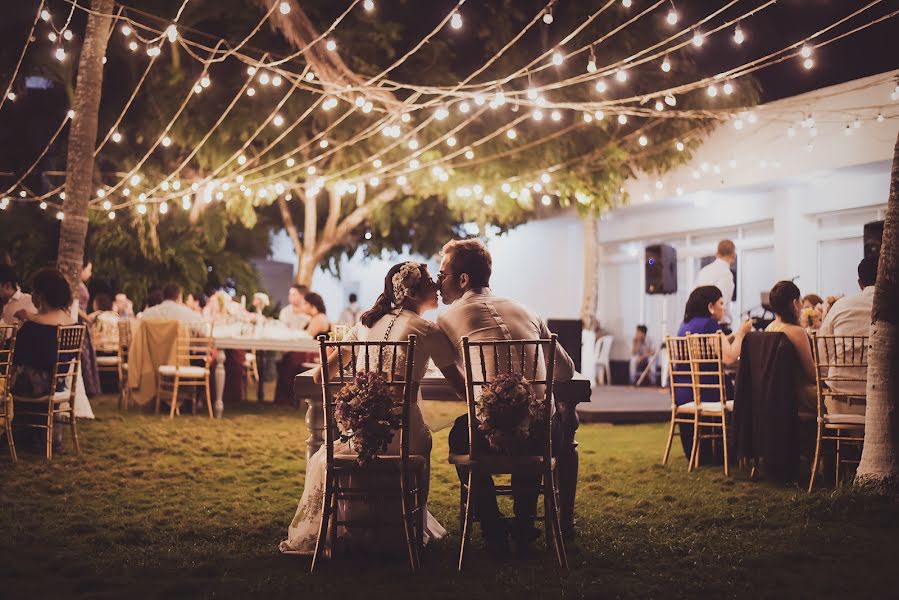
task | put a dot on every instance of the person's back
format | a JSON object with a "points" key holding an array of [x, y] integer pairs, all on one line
{"points": [[171, 307]]}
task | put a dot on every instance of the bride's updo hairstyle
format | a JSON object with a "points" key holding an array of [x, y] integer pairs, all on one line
{"points": [[402, 281]]}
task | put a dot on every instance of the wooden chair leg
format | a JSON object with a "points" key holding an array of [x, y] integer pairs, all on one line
{"points": [[208, 398], [323, 528], [10, 442], [836, 481], [694, 453], [556, 521], [174, 398], [50, 433], [408, 525], [811, 481], [466, 525], [724, 442], [670, 438], [74, 426]]}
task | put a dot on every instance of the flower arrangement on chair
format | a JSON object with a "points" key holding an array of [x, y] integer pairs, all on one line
{"points": [[811, 318], [508, 411], [365, 410]]}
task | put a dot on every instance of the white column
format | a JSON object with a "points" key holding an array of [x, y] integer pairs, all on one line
{"points": [[795, 240]]}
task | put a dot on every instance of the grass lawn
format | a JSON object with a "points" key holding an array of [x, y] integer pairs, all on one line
{"points": [[195, 508]]}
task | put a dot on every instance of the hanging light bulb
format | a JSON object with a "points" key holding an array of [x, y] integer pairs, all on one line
{"points": [[331, 45], [601, 86], [284, 7], [622, 119], [712, 90], [67, 35], [456, 21], [555, 116], [739, 36], [808, 63], [116, 137], [660, 105], [670, 100], [132, 45], [599, 115], [278, 120], [164, 207], [679, 146], [643, 140], [469, 154], [537, 115], [728, 88], [126, 30], [368, 5], [548, 16], [171, 33], [666, 65], [153, 51], [45, 15], [51, 36], [672, 17], [60, 54], [621, 75], [512, 134], [166, 141], [697, 39], [464, 107], [805, 51], [558, 58], [626, 3]]}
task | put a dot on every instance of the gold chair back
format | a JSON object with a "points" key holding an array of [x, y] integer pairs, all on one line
{"points": [[532, 359], [841, 361], [195, 343], [680, 369], [707, 365]]}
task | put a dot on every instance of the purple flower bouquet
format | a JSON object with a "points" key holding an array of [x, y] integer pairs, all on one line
{"points": [[367, 413], [507, 410]]}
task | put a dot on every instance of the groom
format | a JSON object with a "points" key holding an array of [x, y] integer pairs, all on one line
{"points": [[475, 312]]}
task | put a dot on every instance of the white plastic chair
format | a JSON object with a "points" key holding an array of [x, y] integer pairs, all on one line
{"points": [[603, 355]]}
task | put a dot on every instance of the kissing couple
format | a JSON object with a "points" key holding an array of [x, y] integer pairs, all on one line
{"points": [[409, 291]]}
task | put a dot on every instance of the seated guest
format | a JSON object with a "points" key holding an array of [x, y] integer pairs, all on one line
{"points": [[123, 306], [350, 315], [154, 298], [702, 315], [17, 304], [787, 306], [104, 326], [171, 307], [293, 315], [812, 309], [641, 352], [193, 302], [291, 363], [474, 311], [851, 316], [35, 353]]}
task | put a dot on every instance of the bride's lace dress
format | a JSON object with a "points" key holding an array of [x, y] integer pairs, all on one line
{"points": [[431, 342]]}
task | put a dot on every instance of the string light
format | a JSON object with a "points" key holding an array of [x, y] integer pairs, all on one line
{"points": [[52, 36], [166, 141], [546, 200], [278, 120], [555, 116], [464, 107], [659, 106], [697, 39], [469, 154], [808, 63], [60, 215], [331, 45], [45, 15], [672, 17], [622, 119], [558, 58], [712, 90], [643, 140], [60, 54], [679, 146], [626, 3], [548, 15], [153, 51], [451, 141], [251, 91], [456, 21], [142, 209], [368, 5], [70, 114], [11, 96], [163, 207], [666, 65], [171, 33], [739, 36], [601, 86], [599, 115], [670, 100], [67, 35], [511, 134], [621, 75], [111, 215], [537, 115], [126, 30], [880, 118], [132, 45], [284, 7]]}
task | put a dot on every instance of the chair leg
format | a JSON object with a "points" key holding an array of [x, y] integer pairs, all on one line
{"points": [[724, 442], [10, 442], [208, 398], [836, 481], [174, 398], [73, 425], [326, 516], [811, 481], [50, 433], [408, 524], [466, 525], [158, 392], [694, 453], [668, 444], [556, 520]]}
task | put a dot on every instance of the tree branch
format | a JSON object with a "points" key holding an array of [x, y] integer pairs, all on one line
{"points": [[333, 213], [289, 226]]}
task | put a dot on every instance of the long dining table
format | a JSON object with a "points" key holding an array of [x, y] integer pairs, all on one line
{"points": [[567, 395]]}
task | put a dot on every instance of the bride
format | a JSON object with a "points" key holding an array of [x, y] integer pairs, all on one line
{"points": [[408, 292]]}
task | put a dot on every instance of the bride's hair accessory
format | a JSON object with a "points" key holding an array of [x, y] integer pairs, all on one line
{"points": [[405, 280]]}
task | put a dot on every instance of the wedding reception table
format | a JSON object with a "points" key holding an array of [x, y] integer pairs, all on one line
{"points": [[272, 337], [567, 396]]}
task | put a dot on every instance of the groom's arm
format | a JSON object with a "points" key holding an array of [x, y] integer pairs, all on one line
{"points": [[563, 370]]}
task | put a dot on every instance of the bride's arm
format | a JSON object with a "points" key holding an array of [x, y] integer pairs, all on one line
{"points": [[454, 377], [332, 364]]}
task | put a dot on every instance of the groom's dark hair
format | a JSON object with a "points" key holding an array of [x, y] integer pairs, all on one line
{"points": [[470, 256]]}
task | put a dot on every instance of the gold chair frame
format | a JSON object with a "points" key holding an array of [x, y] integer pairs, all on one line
{"points": [[125, 338], [194, 343], [544, 464], [845, 352], [409, 468], [104, 365], [7, 412], [66, 369]]}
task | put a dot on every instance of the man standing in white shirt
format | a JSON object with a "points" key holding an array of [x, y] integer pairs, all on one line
{"points": [[475, 312], [851, 315], [172, 306], [718, 273], [17, 304]]}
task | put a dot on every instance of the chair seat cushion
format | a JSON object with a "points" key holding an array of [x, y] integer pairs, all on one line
{"points": [[107, 360], [62, 396], [382, 463], [705, 407], [844, 419], [183, 371], [499, 464]]}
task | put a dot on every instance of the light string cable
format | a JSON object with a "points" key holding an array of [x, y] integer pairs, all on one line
{"points": [[15, 71]]}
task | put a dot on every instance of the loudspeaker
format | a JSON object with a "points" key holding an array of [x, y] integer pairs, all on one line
{"points": [[569, 332], [873, 237], [660, 266]]}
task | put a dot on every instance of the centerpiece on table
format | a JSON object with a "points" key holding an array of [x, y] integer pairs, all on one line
{"points": [[509, 412], [367, 411]]}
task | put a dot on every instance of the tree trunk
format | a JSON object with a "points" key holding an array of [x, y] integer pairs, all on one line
{"points": [[83, 141], [590, 298], [879, 467]]}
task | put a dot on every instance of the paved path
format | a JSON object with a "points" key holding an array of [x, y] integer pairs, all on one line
{"points": [[626, 404]]}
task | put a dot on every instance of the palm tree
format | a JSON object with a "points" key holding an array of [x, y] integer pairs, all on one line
{"points": [[879, 467], [82, 141]]}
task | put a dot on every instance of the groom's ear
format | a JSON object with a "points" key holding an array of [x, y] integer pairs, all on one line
{"points": [[464, 280]]}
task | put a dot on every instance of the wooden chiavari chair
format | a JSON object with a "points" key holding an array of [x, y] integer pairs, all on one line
{"points": [[707, 366], [491, 359], [849, 354], [193, 358], [105, 335], [395, 359], [7, 350], [62, 384], [680, 371], [125, 335]]}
